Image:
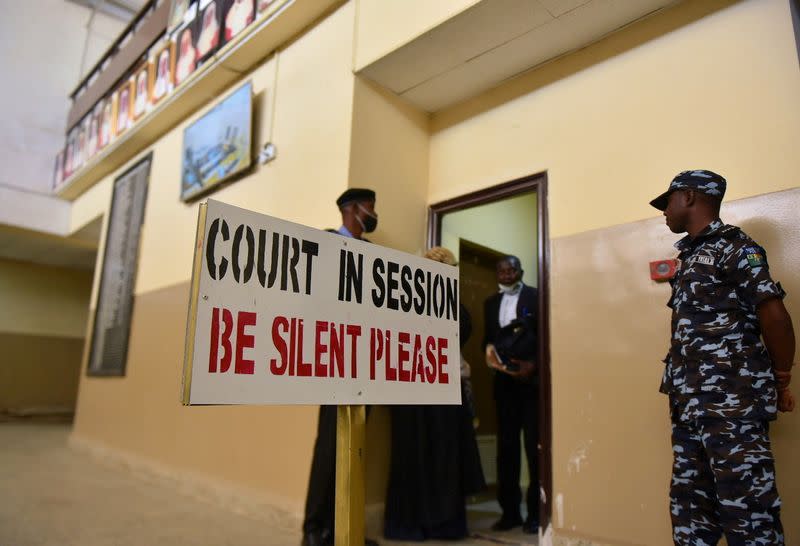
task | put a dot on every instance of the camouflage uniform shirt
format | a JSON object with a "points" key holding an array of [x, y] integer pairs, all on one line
{"points": [[717, 365]]}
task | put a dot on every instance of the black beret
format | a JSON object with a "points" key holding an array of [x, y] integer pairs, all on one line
{"points": [[355, 194]]}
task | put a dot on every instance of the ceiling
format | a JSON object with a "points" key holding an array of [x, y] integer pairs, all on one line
{"points": [[495, 40], [124, 10], [78, 251]]}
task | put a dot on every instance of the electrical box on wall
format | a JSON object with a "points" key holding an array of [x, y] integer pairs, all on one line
{"points": [[663, 270]]}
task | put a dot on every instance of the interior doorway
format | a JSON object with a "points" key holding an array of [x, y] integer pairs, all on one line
{"points": [[480, 228]]}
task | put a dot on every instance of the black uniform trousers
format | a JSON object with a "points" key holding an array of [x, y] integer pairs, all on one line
{"points": [[321, 498], [517, 412]]}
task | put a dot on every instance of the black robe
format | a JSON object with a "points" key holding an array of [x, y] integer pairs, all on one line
{"points": [[435, 465]]}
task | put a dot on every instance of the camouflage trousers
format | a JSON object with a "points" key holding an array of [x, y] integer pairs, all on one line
{"points": [[723, 481]]}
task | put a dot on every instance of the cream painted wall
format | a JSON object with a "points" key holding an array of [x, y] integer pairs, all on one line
{"points": [[266, 449], [704, 85], [43, 301], [509, 226], [609, 332], [389, 153], [384, 25]]}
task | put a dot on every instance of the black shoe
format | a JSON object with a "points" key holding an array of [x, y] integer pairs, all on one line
{"points": [[317, 538], [504, 523], [370, 542], [530, 527]]}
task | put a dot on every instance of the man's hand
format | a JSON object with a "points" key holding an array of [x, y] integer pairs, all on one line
{"points": [[785, 400], [526, 369], [492, 360], [785, 397]]}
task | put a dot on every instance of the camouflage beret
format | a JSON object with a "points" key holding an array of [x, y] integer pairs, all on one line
{"points": [[700, 180]]}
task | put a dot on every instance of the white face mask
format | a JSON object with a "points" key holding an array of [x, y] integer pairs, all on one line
{"points": [[510, 288]]}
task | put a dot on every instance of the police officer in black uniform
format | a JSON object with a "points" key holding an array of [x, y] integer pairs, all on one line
{"points": [[357, 206], [727, 372]]}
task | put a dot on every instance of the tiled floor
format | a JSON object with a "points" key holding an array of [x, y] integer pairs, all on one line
{"points": [[52, 495]]}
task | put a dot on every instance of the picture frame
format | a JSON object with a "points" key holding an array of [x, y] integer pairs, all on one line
{"points": [[237, 15], [140, 102], [186, 57], [218, 146], [69, 153], [122, 108], [162, 73], [111, 320], [105, 123], [177, 12], [58, 171], [91, 139], [208, 30], [83, 130]]}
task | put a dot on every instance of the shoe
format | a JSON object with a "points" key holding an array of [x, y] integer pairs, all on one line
{"points": [[317, 538], [504, 523], [325, 538], [530, 527]]}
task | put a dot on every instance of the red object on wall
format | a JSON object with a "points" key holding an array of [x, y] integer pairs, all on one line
{"points": [[663, 270]]}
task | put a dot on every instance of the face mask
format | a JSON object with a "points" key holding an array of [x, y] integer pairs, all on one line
{"points": [[370, 222], [510, 288]]}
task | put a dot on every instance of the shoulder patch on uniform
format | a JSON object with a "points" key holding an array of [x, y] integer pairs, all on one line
{"points": [[706, 260], [754, 256]]}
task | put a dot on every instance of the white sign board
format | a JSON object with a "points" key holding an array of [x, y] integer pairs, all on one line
{"points": [[286, 314]]}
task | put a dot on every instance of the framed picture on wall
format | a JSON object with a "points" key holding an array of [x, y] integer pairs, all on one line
{"points": [[80, 156], [177, 12], [69, 153], [237, 16], [141, 91], [58, 171], [185, 52], [162, 72], [105, 123], [91, 139], [112, 318], [217, 146], [122, 108], [208, 29]]}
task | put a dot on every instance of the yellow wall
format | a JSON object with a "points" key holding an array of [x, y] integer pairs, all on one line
{"points": [[42, 300], [43, 314], [509, 226], [385, 25], [264, 448], [702, 85], [612, 123]]}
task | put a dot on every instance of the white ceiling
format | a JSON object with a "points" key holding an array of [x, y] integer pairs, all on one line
{"points": [[124, 10], [495, 40]]}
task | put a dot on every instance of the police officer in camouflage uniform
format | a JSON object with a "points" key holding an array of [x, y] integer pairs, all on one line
{"points": [[727, 372]]}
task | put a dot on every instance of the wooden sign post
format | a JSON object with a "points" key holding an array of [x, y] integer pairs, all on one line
{"points": [[350, 435]]}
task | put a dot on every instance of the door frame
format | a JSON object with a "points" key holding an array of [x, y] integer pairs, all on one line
{"points": [[536, 183]]}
